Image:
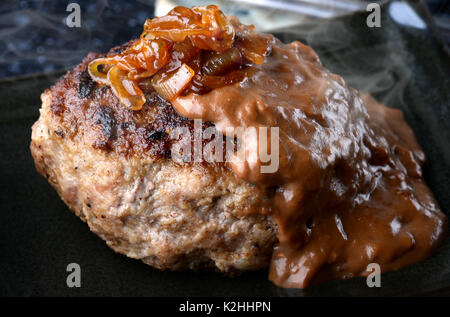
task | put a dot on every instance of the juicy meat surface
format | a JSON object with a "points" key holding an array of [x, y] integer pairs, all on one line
{"points": [[112, 167]]}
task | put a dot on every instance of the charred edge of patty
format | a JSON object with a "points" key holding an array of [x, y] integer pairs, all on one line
{"points": [[81, 107]]}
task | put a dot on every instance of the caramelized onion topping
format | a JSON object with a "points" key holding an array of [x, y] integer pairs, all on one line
{"points": [[188, 50], [125, 89], [170, 86]]}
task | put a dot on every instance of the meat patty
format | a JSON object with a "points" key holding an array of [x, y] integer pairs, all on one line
{"points": [[113, 168]]}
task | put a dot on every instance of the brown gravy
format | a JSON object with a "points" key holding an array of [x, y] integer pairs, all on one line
{"points": [[349, 188]]}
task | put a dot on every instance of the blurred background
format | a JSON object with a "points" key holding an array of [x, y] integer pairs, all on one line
{"points": [[34, 36]]}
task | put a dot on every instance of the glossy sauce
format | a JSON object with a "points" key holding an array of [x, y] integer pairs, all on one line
{"points": [[349, 188]]}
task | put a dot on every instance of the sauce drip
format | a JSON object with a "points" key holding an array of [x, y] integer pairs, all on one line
{"points": [[349, 188]]}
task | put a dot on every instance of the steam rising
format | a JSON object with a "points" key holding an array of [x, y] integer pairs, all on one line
{"points": [[377, 68], [34, 36]]}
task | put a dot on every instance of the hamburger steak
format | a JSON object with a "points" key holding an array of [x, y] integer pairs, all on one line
{"points": [[112, 167], [347, 189]]}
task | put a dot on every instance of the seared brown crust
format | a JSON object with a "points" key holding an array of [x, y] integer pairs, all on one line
{"points": [[89, 111]]}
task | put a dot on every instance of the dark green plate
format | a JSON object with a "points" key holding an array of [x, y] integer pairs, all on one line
{"points": [[404, 66]]}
